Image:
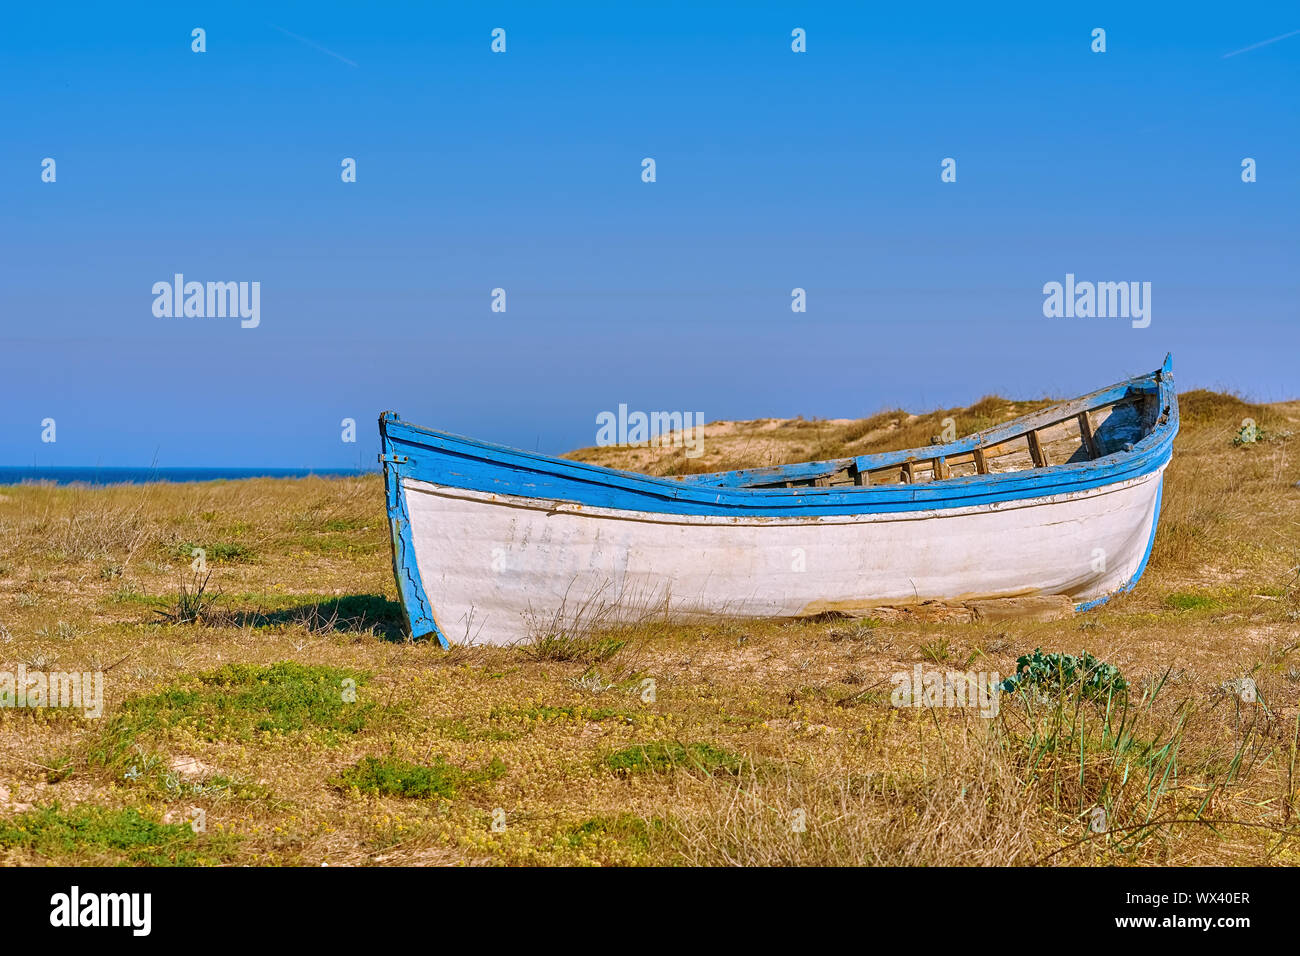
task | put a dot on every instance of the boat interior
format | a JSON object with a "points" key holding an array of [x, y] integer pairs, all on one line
{"points": [[1104, 423]]}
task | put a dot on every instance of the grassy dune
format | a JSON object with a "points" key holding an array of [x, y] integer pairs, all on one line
{"points": [[283, 707]]}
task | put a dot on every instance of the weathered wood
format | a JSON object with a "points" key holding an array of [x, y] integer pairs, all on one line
{"points": [[941, 469], [931, 612], [1039, 607], [1089, 439], [1051, 607], [1036, 449], [981, 465], [908, 474]]}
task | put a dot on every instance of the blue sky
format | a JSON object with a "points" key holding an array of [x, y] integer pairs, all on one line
{"points": [[522, 171]]}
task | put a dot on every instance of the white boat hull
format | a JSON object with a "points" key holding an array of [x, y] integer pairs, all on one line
{"points": [[496, 568]]}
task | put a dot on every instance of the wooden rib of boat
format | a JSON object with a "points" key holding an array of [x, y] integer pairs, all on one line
{"points": [[490, 543]]}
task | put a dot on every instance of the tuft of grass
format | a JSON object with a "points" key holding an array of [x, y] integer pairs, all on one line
{"points": [[564, 647], [666, 756], [858, 630], [966, 808], [62, 631], [193, 602], [1118, 772], [594, 629], [129, 592], [937, 650]]}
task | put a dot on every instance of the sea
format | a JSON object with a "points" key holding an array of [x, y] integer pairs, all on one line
{"points": [[94, 475]]}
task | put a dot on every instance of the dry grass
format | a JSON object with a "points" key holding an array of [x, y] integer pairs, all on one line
{"points": [[771, 441], [970, 809], [205, 715]]}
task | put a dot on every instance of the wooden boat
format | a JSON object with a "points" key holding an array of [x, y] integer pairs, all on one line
{"points": [[490, 542]]}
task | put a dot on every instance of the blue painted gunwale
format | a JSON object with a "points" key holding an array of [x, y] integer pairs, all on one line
{"points": [[410, 451]]}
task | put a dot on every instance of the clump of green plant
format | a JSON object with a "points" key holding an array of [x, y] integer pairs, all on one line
{"points": [[1250, 434], [1055, 673], [390, 777], [574, 712], [96, 832], [241, 700], [1187, 601], [627, 829], [666, 756], [129, 592]]}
